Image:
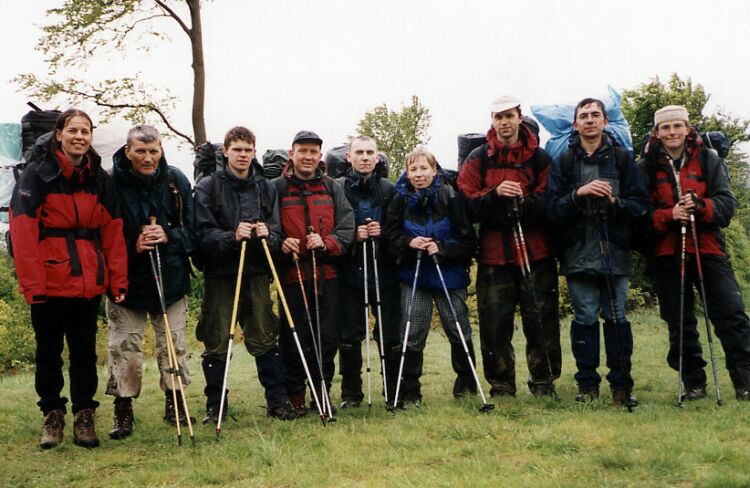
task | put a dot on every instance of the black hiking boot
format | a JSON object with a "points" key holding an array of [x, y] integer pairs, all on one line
{"points": [[464, 383], [502, 390], [586, 395], [622, 398], [284, 411], [350, 403], [84, 428], [696, 393], [212, 415], [169, 413], [123, 420], [298, 403], [544, 390], [52, 429]]}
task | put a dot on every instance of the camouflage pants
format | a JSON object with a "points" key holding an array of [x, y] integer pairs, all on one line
{"points": [[500, 289], [125, 358]]}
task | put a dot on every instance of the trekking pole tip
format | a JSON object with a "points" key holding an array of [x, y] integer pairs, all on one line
{"points": [[179, 440], [192, 440], [487, 407]]}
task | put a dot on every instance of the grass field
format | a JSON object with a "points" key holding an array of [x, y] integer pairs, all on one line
{"points": [[523, 442]]}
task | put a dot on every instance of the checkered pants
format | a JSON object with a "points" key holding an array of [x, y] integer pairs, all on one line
{"points": [[421, 315]]}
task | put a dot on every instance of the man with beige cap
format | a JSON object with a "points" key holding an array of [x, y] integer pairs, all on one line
{"points": [[504, 181], [689, 185]]}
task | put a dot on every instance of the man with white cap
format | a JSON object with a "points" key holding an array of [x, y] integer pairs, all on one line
{"points": [[686, 179], [595, 193], [504, 181]]}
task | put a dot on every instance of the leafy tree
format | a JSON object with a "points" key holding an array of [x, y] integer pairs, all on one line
{"points": [[81, 29], [397, 133]]}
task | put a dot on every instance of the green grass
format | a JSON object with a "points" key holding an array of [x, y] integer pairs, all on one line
{"points": [[523, 442]]}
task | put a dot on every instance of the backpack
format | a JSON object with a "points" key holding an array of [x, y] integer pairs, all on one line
{"points": [[274, 161], [208, 157], [337, 164], [35, 124]]}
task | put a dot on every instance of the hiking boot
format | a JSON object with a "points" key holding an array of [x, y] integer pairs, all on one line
{"points": [[544, 390], [496, 392], [743, 395], [314, 408], [694, 394], [52, 429], [284, 411], [409, 403], [84, 430], [212, 415], [169, 413], [622, 398], [123, 421], [586, 395], [350, 403], [298, 403]]}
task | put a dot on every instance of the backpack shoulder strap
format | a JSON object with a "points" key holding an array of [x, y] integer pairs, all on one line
{"points": [[176, 196]]}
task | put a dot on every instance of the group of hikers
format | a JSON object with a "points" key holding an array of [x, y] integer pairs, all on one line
{"points": [[339, 249]]}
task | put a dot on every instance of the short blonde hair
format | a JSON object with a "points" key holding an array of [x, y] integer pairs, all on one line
{"points": [[421, 153]]}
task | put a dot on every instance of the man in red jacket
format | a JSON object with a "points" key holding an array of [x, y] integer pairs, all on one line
{"points": [[686, 179], [316, 218], [504, 182]]}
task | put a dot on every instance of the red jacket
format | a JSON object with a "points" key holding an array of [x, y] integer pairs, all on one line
{"points": [[66, 230], [705, 174], [485, 168], [319, 203]]}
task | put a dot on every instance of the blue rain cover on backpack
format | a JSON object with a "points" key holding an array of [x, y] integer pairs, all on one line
{"points": [[558, 121]]}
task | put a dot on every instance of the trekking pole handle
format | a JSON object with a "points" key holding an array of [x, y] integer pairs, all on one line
{"points": [[152, 220]]}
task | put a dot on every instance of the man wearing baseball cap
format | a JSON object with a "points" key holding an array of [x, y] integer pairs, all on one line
{"points": [[594, 194], [686, 179], [504, 181], [316, 218]]}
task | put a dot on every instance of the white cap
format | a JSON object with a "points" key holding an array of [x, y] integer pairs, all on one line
{"points": [[670, 112], [504, 103]]}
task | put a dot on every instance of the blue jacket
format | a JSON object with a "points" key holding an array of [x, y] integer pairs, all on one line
{"points": [[580, 228], [437, 212], [369, 200]]}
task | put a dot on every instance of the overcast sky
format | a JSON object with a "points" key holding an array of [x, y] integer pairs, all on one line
{"points": [[278, 66]]}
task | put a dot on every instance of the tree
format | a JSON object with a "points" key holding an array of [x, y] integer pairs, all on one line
{"points": [[397, 133], [81, 29]]}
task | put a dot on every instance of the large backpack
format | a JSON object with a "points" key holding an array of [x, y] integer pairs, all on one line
{"points": [[274, 161], [208, 158], [35, 124], [472, 140]]}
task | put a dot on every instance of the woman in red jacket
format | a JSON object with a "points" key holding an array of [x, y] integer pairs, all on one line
{"points": [[69, 250]]}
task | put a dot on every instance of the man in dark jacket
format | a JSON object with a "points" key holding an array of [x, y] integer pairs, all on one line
{"points": [[685, 178], [237, 203], [504, 182], [147, 187], [594, 193], [369, 195], [316, 218]]}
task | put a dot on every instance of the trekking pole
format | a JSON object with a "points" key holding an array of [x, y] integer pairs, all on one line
{"points": [[608, 280], [174, 368], [316, 346], [232, 325], [702, 286], [525, 265], [380, 319], [367, 324], [289, 321], [406, 329], [486, 407], [323, 388], [683, 257]]}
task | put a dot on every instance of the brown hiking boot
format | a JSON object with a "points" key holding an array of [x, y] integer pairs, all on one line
{"points": [[52, 429], [123, 422], [622, 398], [169, 413], [84, 430], [298, 403]]}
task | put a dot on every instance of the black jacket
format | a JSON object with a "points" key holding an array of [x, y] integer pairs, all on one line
{"points": [[141, 197], [222, 201]]}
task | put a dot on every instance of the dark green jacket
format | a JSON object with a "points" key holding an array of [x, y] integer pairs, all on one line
{"points": [[141, 197]]}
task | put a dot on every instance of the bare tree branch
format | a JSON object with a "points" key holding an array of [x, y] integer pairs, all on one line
{"points": [[174, 15]]}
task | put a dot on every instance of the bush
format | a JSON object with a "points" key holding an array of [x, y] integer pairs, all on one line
{"points": [[16, 335]]}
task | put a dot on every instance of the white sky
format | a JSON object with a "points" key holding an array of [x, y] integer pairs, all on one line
{"points": [[278, 66]]}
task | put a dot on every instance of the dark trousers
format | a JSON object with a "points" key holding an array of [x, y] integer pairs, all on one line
{"points": [[726, 310], [57, 320], [500, 289], [352, 333], [329, 303]]}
